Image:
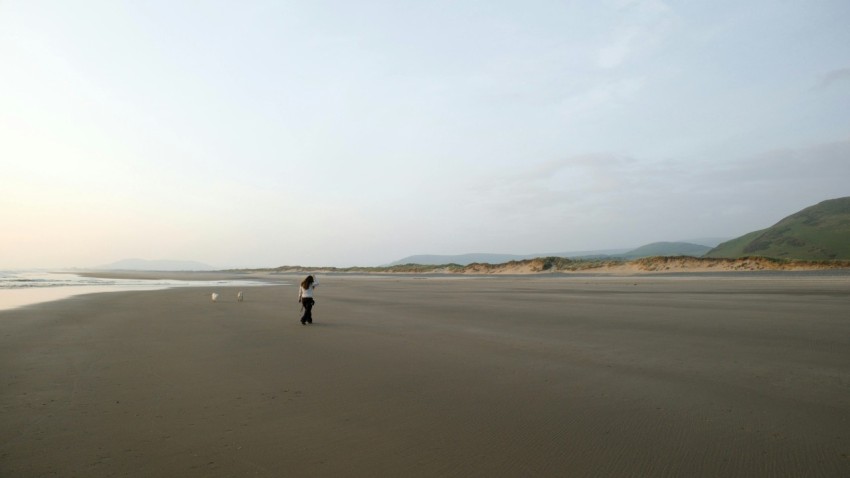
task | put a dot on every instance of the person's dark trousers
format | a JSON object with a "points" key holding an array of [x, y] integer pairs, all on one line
{"points": [[307, 318]]}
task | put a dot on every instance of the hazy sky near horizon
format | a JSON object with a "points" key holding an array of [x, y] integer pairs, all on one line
{"points": [[267, 133]]}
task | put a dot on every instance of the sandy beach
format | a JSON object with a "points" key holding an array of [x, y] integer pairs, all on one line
{"points": [[439, 376]]}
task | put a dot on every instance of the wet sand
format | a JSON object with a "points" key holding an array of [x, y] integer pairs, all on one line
{"points": [[490, 376]]}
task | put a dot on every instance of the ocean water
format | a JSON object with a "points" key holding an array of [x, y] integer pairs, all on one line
{"points": [[20, 288]]}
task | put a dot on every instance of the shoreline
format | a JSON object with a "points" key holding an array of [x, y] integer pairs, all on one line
{"points": [[22, 297], [53, 286]]}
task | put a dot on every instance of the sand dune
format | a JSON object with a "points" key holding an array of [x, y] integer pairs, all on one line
{"points": [[611, 266], [603, 376]]}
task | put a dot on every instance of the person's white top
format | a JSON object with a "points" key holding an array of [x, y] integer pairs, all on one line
{"points": [[308, 292]]}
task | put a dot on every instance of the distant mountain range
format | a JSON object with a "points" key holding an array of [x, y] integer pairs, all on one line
{"points": [[667, 249], [690, 248], [158, 265], [819, 232], [486, 258]]}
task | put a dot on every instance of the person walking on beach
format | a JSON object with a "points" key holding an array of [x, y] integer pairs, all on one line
{"points": [[305, 297]]}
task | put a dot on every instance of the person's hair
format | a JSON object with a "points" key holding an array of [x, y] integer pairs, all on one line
{"points": [[306, 283]]}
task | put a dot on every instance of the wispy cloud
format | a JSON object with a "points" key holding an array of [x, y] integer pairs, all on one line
{"points": [[611, 194], [615, 53], [820, 164], [643, 25], [557, 185], [601, 96], [835, 76]]}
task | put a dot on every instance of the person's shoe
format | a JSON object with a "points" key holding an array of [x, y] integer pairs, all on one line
{"points": [[303, 323]]}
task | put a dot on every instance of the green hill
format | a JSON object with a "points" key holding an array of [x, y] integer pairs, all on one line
{"points": [[667, 249], [819, 232]]}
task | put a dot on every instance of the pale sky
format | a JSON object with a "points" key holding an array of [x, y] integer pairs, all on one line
{"points": [[340, 133]]}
